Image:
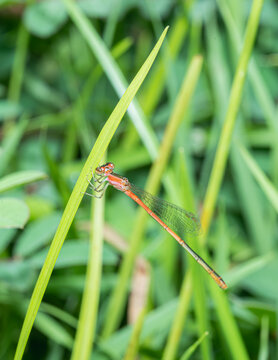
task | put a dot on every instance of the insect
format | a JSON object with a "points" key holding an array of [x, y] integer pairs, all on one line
{"points": [[172, 218]]}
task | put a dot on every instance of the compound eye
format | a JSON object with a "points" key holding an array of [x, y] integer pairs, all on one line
{"points": [[110, 165]]}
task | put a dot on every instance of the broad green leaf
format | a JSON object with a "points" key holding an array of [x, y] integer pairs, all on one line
{"points": [[45, 18], [37, 234], [14, 213], [20, 178], [267, 187], [39, 206], [17, 275], [193, 347], [73, 253], [241, 272], [6, 236], [261, 282], [9, 109], [53, 330], [42, 92], [155, 322], [10, 143]]}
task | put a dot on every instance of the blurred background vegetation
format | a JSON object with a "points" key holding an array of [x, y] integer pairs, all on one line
{"points": [[56, 92]]}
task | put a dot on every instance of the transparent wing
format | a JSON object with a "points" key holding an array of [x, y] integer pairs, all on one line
{"points": [[178, 219]]}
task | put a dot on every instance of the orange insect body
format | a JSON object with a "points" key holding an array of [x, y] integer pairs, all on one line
{"points": [[157, 209]]}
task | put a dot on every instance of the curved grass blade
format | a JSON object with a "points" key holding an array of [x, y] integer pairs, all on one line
{"points": [[114, 74], [20, 178], [266, 185]]}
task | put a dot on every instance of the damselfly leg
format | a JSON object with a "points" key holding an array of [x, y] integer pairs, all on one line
{"points": [[98, 185]]}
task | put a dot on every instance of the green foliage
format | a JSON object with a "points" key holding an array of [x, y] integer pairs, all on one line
{"points": [[201, 132], [13, 213], [44, 19]]}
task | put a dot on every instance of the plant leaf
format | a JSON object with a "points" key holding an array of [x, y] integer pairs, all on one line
{"points": [[45, 18], [20, 178], [14, 213]]}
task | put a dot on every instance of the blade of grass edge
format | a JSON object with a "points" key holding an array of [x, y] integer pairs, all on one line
{"points": [[84, 338], [18, 69], [264, 346], [95, 156], [179, 318], [266, 185], [134, 341], [229, 123], [193, 282], [113, 73], [193, 347]]}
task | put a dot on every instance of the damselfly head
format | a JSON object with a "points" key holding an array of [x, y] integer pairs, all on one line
{"points": [[105, 169]]}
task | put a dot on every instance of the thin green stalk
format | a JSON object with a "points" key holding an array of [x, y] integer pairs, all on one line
{"points": [[200, 303], [193, 347], [88, 314], [179, 319], [82, 101], [228, 323], [111, 23], [113, 73], [10, 144], [93, 160], [117, 299], [264, 346], [18, 68], [267, 187], [261, 91], [253, 208], [133, 346], [227, 131], [249, 198], [153, 89], [18, 64], [193, 282]]}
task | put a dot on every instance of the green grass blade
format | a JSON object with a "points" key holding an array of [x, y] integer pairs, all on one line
{"points": [[153, 89], [228, 127], [228, 323], [10, 144], [157, 320], [113, 73], [135, 337], [52, 329], [192, 283], [18, 64], [89, 308], [261, 91], [20, 178], [111, 23], [238, 273], [193, 347], [266, 185], [264, 347], [179, 319], [93, 160], [250, 202], [18, 67]]}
